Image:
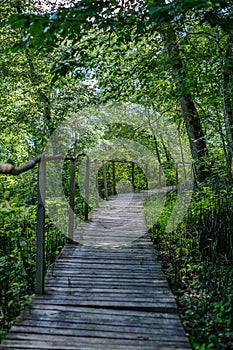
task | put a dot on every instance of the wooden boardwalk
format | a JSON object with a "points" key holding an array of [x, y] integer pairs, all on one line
{"points": [[106, 293]]}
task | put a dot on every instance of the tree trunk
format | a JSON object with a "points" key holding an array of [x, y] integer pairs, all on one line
{"points": [[228, 81], [228, 97], [154, 136], [192, 120]]}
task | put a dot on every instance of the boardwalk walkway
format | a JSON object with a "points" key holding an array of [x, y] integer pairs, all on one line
{"points": [[106, 293]]}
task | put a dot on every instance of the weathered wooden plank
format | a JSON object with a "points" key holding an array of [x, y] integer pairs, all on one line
{"points": [[86, 336], [91, 316], [106, 289], [61, 344], [140, 305], [86, 312], [94, 330]]}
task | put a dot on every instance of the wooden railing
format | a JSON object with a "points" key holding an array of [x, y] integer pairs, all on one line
{"points": [[41, 160], [9, 169]]}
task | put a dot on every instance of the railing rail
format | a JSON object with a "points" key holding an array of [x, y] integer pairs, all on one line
{"points": [[41, 160]]}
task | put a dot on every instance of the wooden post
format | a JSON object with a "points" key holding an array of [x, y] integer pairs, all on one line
{"points": [[105, 180], [114, 178], [87, 189], [96, 184], [133, 176], [72, 196], [40, 229]]}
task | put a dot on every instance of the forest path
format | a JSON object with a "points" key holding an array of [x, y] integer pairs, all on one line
{"points": [[107, 292]]}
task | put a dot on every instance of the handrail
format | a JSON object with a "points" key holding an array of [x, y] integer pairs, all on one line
{"points": [[9, 169]]}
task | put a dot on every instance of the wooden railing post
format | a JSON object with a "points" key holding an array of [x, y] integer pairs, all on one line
{"points": [[72, 196], [105, 180], [40, 229], [133, 176], [87, 190], [114, 178]]}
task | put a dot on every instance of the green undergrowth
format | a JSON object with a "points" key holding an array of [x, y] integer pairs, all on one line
{"points": [[18, 216], [18, 260], [197, 260]]}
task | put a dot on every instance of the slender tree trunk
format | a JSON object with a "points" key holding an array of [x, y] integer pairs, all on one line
{"points": [[154, 137], [157, 148], [182, 152], [228, 81], [169, 158], [226, 90], [228, 97]]}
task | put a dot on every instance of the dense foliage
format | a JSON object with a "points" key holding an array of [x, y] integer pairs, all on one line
{"points": [[197, 260], [169, 66]]}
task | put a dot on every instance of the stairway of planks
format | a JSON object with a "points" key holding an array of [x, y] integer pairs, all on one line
{"points": [[106, 292]]}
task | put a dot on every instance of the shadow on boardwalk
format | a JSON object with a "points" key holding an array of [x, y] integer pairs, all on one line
{"points": [[106, 292]]}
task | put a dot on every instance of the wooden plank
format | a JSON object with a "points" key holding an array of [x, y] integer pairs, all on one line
{"points": [[92, 315], [91, 344]]}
